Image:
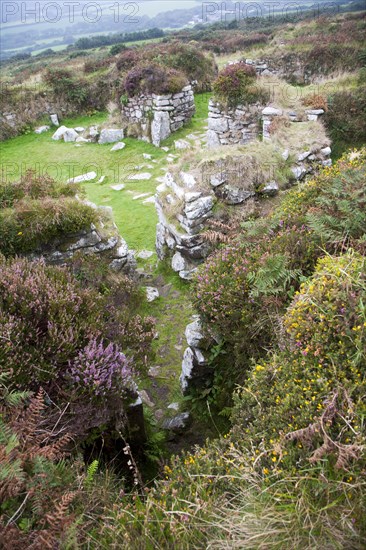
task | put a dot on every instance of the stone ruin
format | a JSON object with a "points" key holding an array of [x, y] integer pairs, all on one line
{"points": [[245, 123], [231, 126], [195, 366], [154, 117], [103, 239], [185, 202]]}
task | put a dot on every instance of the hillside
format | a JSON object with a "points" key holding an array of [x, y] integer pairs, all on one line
{"points": [[183, 284]]}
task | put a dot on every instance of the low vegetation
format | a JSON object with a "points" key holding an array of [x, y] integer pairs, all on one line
{"points": [[35, 211], [282, 299], [236, 85]]}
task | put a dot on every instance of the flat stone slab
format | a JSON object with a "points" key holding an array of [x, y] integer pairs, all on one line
{"points": [[59, 134], [141, 196], [118, 187], [118, 146], [41, 129], [154, 372], [152, 293], [145, 398], [145, 254], [182, 144], [110, 135], [143, 176], [84, 177], [70, 135], [147, 156], [150, 200], [174, 406], [177, 424]]}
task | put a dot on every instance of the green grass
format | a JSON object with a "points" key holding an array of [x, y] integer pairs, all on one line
{"points": [[136, 221]]}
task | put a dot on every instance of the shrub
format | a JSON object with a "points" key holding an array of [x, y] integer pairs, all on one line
{"points": [[117, 48], [318, 375], [153, 79], [32, 224], [58, 317], [33, 186], [242, 290], [45, 320], [94, 65], [36, 210], [189, 59], [64, 84], [236, 84], [127, 60], [315, 101], [100, 369], [345, 119]]}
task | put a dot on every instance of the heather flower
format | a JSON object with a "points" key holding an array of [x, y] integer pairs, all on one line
{"points": [[101, 369]]}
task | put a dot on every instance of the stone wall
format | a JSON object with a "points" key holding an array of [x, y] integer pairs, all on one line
{"points": [[269, 114], [103, 240], [154, 117], [182, 211], [307, 160], [231, 126], [195, 368], [30, 109]]}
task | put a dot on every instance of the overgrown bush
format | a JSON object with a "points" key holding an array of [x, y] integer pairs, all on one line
{"points": [[32, 224], [345, 119], [65, 85], [94, 65], [36, 210], [80, 344], [153, 79], [236, 85]]}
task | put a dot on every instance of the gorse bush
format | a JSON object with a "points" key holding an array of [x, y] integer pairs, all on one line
{"points": [[243, 289], [323, 356]]}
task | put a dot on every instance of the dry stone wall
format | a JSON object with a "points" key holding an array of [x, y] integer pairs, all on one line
{"points": [[154, 117], [103, 240], [305, 161], [182, 211], [231, 126]]}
